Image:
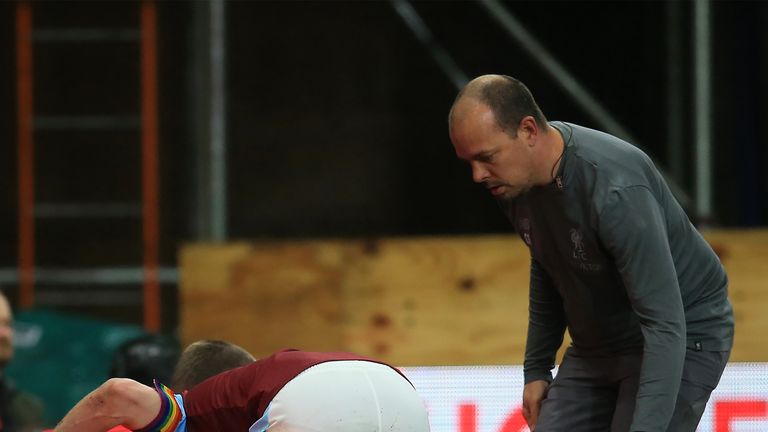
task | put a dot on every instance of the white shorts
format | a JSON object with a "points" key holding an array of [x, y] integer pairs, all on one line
{"points": [[346, 396]]}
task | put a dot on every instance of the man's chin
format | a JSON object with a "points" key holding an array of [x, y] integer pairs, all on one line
{"points": [[510, 195], [504, 200]]}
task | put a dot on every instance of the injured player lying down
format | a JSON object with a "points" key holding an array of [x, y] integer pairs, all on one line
{"points": [[291, 390]]}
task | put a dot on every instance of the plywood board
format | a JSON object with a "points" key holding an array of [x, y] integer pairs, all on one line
{"points": [[439, 300], [264, 297], [410, 301]]}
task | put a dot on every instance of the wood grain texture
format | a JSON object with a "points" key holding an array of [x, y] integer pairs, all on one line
{"points": [[744, 254], [439, 300], [264, 297], [409, 301]]}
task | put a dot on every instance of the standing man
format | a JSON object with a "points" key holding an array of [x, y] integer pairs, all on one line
{"points": [[614, 259]]}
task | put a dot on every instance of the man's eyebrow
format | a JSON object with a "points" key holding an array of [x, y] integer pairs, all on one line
{"points": [[483, 154]]}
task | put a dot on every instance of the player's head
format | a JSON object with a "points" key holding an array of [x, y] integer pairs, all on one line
{"points": [[495, 126], [6, 331], [146, 358], [206, 358]]}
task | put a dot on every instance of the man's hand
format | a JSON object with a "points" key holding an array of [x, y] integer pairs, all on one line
{"points": [[533, 393]]}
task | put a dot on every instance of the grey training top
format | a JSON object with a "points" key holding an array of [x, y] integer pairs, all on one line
{"points": [[615, 258]]}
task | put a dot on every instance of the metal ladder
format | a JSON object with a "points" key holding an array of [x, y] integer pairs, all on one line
{"points": [[31, 124]]}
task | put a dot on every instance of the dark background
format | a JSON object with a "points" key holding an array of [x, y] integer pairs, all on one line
{"points": [[337, 118]]}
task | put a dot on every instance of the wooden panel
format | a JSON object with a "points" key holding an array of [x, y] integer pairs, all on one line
{"points": [[415, 301], [440, 301], [264, 297], [744, 253]]}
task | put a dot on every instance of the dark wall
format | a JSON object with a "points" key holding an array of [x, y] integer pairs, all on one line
{"points": [[741, 113], [338, 127], [8, 201], [338, 114]]}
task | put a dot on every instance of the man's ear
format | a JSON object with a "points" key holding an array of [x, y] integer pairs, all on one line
{"points": [[528, 129]]}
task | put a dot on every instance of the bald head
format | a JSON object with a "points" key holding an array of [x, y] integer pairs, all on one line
{"points": [[508, 99]]}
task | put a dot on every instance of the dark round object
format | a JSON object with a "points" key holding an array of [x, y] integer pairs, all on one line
{"points": [[146, 358]]}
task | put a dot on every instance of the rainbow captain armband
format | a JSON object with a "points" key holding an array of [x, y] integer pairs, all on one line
{"points": [[171, 416]]}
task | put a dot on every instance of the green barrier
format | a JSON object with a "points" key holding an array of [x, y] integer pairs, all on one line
{"points": [[60, 358]]}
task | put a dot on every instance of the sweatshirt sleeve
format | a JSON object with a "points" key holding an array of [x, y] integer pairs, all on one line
{"points": [[546, 326], [633, 229]]}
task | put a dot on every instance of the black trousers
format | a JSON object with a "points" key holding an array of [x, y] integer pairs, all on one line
{"points": [[598, 394]]}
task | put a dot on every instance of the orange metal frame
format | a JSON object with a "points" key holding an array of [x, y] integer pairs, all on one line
{"points": [[150, 164], [149, 148]]}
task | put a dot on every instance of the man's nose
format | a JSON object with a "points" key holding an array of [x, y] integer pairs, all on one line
{"points": [[479, 173]]}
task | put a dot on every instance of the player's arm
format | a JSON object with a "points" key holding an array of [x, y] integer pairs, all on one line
{"points": [[119, 401], [546, 327], [633, 229]]}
